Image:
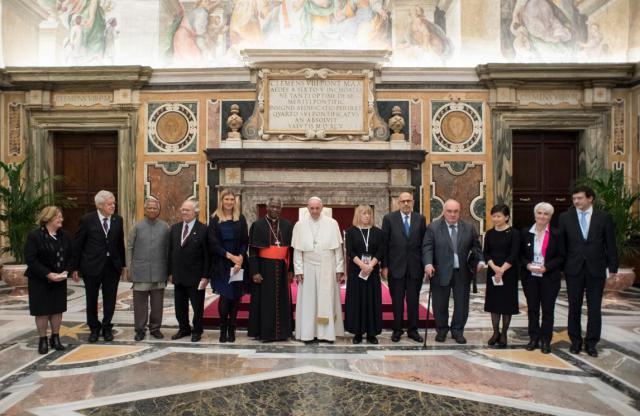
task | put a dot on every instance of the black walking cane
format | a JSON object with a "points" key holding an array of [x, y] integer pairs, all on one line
{"points": [[426, 327]]}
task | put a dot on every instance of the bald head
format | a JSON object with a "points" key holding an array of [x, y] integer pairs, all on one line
{"points": [[405, 202], [451, 211], [314, 205]]}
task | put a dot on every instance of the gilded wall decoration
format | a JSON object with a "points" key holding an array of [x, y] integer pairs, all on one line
{"points": [[618, 126], [172, 127], [464, 182], [456, 127], [14, 129], [171, 183]]}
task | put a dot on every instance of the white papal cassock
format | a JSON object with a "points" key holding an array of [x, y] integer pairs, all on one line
{"points": [[318, 256]]}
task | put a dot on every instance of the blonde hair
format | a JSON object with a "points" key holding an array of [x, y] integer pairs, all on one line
{"points": [[47, 214], [219, 212], [360, 209]]}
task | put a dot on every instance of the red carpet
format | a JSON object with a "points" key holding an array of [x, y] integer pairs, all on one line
{"points": [[212, 319]]}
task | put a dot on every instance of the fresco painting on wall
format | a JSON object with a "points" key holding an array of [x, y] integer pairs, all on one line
{"points": [[91, 35], [211, 33], [421, 40], [549, 31]]}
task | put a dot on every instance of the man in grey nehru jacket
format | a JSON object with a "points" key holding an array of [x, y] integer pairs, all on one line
{"points": [[147, 254]]}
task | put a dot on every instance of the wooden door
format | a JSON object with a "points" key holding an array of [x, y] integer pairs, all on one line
{"points": [[545, 168], [88, 163]]}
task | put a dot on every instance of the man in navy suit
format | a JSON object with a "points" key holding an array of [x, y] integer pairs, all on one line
{"points": [[99, 256], [188, 269], [402, 264], [590, 244]]}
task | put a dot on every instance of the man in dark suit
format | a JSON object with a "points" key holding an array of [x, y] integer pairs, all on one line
{"points": [[402, 264], [188, 268], [98, 250], [451, 250], [589, 237]]}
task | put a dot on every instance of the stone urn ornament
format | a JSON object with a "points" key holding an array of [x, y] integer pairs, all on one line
{"points": [[234, 123], [396, 124], [13, 276]]}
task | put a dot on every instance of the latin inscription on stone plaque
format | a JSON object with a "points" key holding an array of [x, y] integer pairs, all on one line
{"points": [[328, 105]]}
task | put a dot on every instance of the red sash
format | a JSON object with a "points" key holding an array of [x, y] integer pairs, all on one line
{"points": [[275, 253]]}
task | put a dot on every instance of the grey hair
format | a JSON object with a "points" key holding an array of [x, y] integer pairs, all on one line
{"points": [[315, 198], [196, 204], [274, 199], [545, 207], [102, 196], [151, 198]]}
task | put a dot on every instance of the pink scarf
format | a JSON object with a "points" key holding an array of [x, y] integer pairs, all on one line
{"points": [[545, 242]]}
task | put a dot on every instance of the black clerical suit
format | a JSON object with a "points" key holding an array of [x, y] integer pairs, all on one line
{"points": [[403, 258], [188, 263], [100, 257], [585, 270]]}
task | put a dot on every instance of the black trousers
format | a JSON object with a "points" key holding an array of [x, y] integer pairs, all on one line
{"points": [[461, 288], [401, 289], [576, 287], [107, 280], [228, 310], [541, 293], [182, 296]]}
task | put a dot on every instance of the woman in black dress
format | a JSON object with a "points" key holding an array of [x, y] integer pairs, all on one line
{"points": [[363, 300], [501, 251], [542, 258], [228, 242], [48, 255]]}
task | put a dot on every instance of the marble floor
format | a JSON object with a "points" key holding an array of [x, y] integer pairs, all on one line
{"points": [[167, 377]]}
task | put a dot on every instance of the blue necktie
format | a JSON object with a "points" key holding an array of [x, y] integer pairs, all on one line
{"points": [[583, 224], [406, 225]]}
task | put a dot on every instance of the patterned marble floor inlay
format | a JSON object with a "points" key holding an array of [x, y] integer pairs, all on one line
{"points": [[305, 394], [89, 353], [161, 376], [535, 358]]}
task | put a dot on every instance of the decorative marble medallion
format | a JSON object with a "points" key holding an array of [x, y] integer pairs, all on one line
{"points": [[172, 127], [456, 127]]}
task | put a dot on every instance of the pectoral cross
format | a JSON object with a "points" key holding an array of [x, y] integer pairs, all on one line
{"points": [[278, 243]]}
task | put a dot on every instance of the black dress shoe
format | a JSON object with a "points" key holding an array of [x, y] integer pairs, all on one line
{"points": [[494, 338], [93, 336], [502, 342], [231, 331], [195, 337], [223, 334], [532, 345], [591, 351], [460, 339], [545, 347], [55, 343], [395, 337], [107, 334], [372, 339], [415, 336], [309, 342], [575, 348], [43, 345], [139, 336], [156, 334], [180, 334], [357, 339], [441, 336]]}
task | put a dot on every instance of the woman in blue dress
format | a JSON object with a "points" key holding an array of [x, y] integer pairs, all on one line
{"points": [[228, 240]]}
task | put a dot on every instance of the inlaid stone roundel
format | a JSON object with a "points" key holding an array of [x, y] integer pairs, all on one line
{"points": [[172, 127]]}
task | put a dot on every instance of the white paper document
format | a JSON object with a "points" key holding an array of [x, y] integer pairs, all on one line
{"points": [[236, 277], [495, 281]]}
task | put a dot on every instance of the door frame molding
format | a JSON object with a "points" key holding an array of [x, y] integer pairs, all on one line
{"points": [[43, 123], [593, 140]]}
